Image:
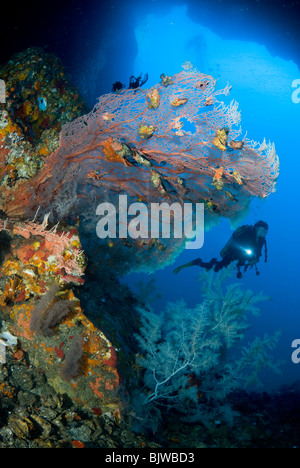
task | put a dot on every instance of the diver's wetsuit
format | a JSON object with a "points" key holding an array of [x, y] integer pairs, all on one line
{"points": [[214, 263], [135, 83], [244, 247]]}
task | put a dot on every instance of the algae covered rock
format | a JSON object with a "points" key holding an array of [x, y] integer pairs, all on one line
{"points": [[38, 278], [39, 100]]}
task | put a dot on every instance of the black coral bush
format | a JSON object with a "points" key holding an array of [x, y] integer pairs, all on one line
{"points": [[48, 312], [70, 368], [193, 357]]}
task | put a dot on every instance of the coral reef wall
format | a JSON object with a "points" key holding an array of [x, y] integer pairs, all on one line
{"points": [[42, 323], [40, 309]]}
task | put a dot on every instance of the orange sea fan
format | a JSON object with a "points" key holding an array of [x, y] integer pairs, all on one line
{"points": [[86, 167]]}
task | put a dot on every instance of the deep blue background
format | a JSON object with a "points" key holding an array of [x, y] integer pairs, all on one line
{"points": [[253, 45]]}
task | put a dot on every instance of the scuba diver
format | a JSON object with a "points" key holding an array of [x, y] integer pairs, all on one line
{"points": [[244, 247], [117, 87], [134, 83]]}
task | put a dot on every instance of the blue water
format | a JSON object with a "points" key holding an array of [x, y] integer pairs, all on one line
{"points": [[157, 37]]}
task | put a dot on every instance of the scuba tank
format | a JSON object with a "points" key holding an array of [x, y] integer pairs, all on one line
{"points": [[236, 241]]}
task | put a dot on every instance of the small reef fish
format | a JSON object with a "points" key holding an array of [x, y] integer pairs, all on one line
{"points": [[237, 177], [166, 80], [217, 180], [153, 99], [220, 140], [146, 131], [209, 101], [140, 158], [157, 182], [235, 144], [72, 279], [108, 117], [230, 196], [179, 102]]}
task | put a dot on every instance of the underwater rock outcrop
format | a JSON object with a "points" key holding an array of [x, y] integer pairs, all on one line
{"points": [[39, 100], [40, 309], [42, 264]]}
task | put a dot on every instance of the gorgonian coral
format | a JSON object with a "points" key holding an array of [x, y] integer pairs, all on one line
{"points": [[173, 142]]}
